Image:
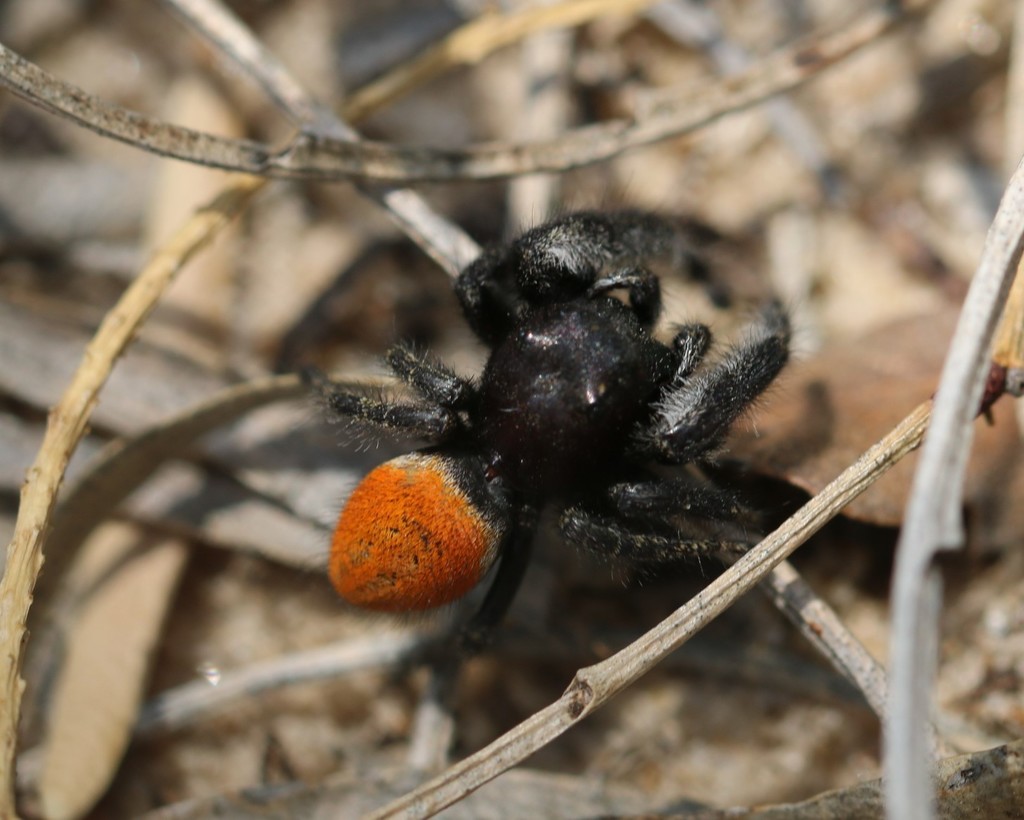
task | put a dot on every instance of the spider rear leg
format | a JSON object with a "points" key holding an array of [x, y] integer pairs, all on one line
{"points": [[694, 415], [515, 558], [665, 498], [429, 421], [609, 536], [436, 382]]}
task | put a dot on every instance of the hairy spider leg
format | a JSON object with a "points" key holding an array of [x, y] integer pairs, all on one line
{"points": [[433, 380], [664, 498], [606, 536], [430, 421], [694, 415]]}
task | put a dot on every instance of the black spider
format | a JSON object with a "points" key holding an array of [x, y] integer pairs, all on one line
{"points": [[576, 401]]}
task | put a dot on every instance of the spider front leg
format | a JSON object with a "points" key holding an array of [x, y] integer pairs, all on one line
{"points": [[644, 290], [436, 382], [695, 412]]}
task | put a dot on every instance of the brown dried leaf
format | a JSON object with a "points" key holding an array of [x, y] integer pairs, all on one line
{"points": [[126, 583], [828, 410]]}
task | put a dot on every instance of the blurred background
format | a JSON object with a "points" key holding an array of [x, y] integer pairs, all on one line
{"points": [[861, 199]]}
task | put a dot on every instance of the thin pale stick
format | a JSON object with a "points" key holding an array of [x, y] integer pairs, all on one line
{"points": [[320, 157], [184, 704], [593, 686], [695, 23], [933, 519], [476, 39], [442, 240], [819, 623]]}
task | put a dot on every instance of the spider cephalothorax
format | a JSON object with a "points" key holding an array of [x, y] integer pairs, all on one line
{"points": [[576, 401]]}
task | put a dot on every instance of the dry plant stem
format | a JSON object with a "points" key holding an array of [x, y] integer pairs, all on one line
{"points": [[185, 704], [818, 622], [66, 425], [1008, 349], [434, 724], [593, 686], [933, 518], [126, 463], [319, 157], [118, 470], [670, 117], [545, 62], [442, 240], [235, 42], [692, 23]]}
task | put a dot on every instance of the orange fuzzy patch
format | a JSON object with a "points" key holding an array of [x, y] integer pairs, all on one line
{"points": [[408, 539]]}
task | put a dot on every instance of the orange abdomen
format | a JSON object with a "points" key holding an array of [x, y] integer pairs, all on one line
{"points": [[409, 538]]}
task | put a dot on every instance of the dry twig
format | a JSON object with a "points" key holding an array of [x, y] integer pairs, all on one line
{"points": [[442, 240], [180, 706], [317, 156], [933, 517], [593, 686]]}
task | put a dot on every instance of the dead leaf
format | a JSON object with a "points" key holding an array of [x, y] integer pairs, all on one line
{"points": [[827, 410], [125, 582]]}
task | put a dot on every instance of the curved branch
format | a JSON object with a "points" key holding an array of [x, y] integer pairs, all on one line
{"points": [[328, 158], [41, 88]]}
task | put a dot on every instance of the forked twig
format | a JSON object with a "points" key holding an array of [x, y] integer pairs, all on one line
{"points": [[442, 240], [593, 686], [319, 156]]}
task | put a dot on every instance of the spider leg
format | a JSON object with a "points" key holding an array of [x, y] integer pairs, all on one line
{"points": [[644, 290], [430, 421], [608, 536], [436, 382], [515, 558], [667, 498], [691, 344], [694, 415]]}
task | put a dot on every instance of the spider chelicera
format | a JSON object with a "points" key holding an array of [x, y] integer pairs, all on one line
{"points": [[576, 403]]}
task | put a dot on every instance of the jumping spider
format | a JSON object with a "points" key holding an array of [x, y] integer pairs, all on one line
{"points": [[576, 402]]}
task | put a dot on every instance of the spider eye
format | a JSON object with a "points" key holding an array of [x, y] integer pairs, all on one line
{"points": [[416, 534]]}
